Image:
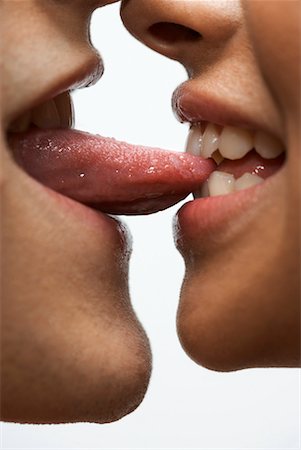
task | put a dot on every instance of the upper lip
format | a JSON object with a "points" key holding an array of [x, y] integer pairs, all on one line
{"points": [[192, 104], [86, 73]]}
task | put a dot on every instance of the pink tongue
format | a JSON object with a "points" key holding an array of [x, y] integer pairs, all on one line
{"points": [[111, 176]]}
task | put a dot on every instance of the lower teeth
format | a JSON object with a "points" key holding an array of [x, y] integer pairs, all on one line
{"points": [[223, 183]]}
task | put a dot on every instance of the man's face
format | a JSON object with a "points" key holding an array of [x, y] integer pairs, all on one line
{"points": [[239, 302], [72, 348]]}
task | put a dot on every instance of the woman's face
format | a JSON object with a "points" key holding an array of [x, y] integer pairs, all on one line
{"points": [[72, 348], [239, 303]]}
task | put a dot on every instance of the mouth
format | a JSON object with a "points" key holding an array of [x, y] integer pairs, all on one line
{"points": [[243, 158], [249, 163], [102, 173], [118, 178]]}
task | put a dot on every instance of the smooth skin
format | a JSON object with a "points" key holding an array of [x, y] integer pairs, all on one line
{"points": [[72, 348], [240, 299]]}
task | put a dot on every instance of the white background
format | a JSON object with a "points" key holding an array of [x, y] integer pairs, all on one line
{"points": [[186, 406]]}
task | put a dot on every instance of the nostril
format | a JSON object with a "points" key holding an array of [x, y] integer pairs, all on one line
{"points": [[171, 33]]}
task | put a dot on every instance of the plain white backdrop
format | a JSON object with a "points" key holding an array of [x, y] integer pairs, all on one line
{"points": [[186, 406]]}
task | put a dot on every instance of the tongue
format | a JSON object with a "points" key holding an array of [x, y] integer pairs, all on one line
{"points": [[108, 175]]}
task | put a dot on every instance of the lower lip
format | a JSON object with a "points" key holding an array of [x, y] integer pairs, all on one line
{"points": [[108, 228], [207, 222]]}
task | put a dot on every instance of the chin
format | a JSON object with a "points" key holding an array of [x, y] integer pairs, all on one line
{"points": [[72, 349], [223, 351], [228, 330], [93, 382]]}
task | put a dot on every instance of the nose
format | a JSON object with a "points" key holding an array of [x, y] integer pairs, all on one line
{"points": [[181, 29]]}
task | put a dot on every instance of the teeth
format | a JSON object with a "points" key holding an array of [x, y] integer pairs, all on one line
{"points": [[46, 115], [65, 109], [220, 183], [193, 144], [21, 124], [204, 144], [55, 113], [235, 143], [232, 143], [247, 180], [267, 146], [210, 141]]}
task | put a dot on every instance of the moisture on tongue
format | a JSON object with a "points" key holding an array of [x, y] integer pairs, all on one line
{"points": [[252, 163], [111, 176]]}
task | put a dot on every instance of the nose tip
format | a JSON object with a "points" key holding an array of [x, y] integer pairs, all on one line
{"points": [[172, 26], [159, 24]]}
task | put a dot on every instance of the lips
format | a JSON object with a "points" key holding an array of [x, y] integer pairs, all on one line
{"points": [[119, 178], [250, 166]]}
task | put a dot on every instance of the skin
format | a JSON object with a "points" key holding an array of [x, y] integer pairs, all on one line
{"points": [[72, 348], [240, 304], [68, 331]]}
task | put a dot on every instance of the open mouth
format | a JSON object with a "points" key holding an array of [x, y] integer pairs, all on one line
{"points": [[249, 160], [244, 158], [110, 176], [118, 178], [55, 113]]}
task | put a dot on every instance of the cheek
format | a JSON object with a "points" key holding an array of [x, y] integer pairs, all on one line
{"points": [[275, 30]]}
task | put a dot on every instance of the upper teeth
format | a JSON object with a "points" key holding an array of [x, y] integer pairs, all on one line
{"points": [[235, 143], [231, 142], [46, 115], [54, 113], [267, 146], [210, 140]]}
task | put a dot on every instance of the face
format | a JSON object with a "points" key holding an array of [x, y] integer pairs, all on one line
{"points": [[239, 304], [72, 347]]}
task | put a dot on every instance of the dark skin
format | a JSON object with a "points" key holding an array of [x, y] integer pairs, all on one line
{"points": [[240, 300]]}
